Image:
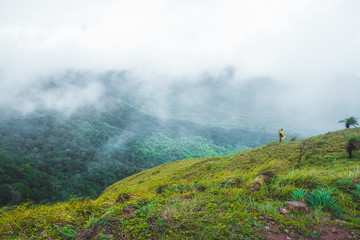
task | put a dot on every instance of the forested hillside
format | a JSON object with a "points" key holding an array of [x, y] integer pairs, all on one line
{"points": [[49, 156]]}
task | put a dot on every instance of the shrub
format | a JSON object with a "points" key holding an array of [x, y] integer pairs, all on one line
{"points": [[353, 143]]}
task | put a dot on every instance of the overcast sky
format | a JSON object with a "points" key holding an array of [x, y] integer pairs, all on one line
{"points": [[311, 45]]}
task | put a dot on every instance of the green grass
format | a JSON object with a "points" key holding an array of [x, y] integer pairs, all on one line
{"points": [[231, 197]]}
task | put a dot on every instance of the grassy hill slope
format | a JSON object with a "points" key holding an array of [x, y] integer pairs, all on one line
{"points": [[233, 197]]}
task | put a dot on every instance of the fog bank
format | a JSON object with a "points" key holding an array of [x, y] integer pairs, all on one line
{"points": [[283, 64]]}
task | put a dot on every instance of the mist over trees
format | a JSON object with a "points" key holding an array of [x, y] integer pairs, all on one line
{"points": [[50, 154]]}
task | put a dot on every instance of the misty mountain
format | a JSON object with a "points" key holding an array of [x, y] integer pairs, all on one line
{"points": [[92, 92], [51, 154]]}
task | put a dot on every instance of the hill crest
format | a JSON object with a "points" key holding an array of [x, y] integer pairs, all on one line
{"points": [[270, 158]]}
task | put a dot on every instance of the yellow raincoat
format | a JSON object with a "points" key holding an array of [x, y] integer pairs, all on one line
{"points": [[281, 133]]}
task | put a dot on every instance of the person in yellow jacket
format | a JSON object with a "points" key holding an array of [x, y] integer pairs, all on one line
{"points": [[281, 135]]}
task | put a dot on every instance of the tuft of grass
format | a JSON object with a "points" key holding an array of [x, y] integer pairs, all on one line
{"points": [[321, 198], [300, 195], [67, 232], [357, 192], [353, 175]]}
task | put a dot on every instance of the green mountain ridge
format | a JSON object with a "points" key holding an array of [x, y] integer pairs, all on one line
{"points": [[238, 196], [45, 156]]}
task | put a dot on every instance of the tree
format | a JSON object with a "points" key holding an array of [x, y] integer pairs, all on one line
{"points": [[353, 143], [5, 194], [303, 149], [350, 121]]}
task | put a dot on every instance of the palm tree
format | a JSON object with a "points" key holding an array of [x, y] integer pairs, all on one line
{"points": [[350, 121]]}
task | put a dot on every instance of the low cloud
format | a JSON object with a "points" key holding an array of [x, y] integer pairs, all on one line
{"points": [[294, 62]]}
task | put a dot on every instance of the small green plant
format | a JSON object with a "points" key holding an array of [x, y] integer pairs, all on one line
{"points": [[91, 221], [68, 232], [211, 206], [321, 198], [160, 225], [102, 222], [300, 195], [293, 138], [354, 175], [357, 191]]}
